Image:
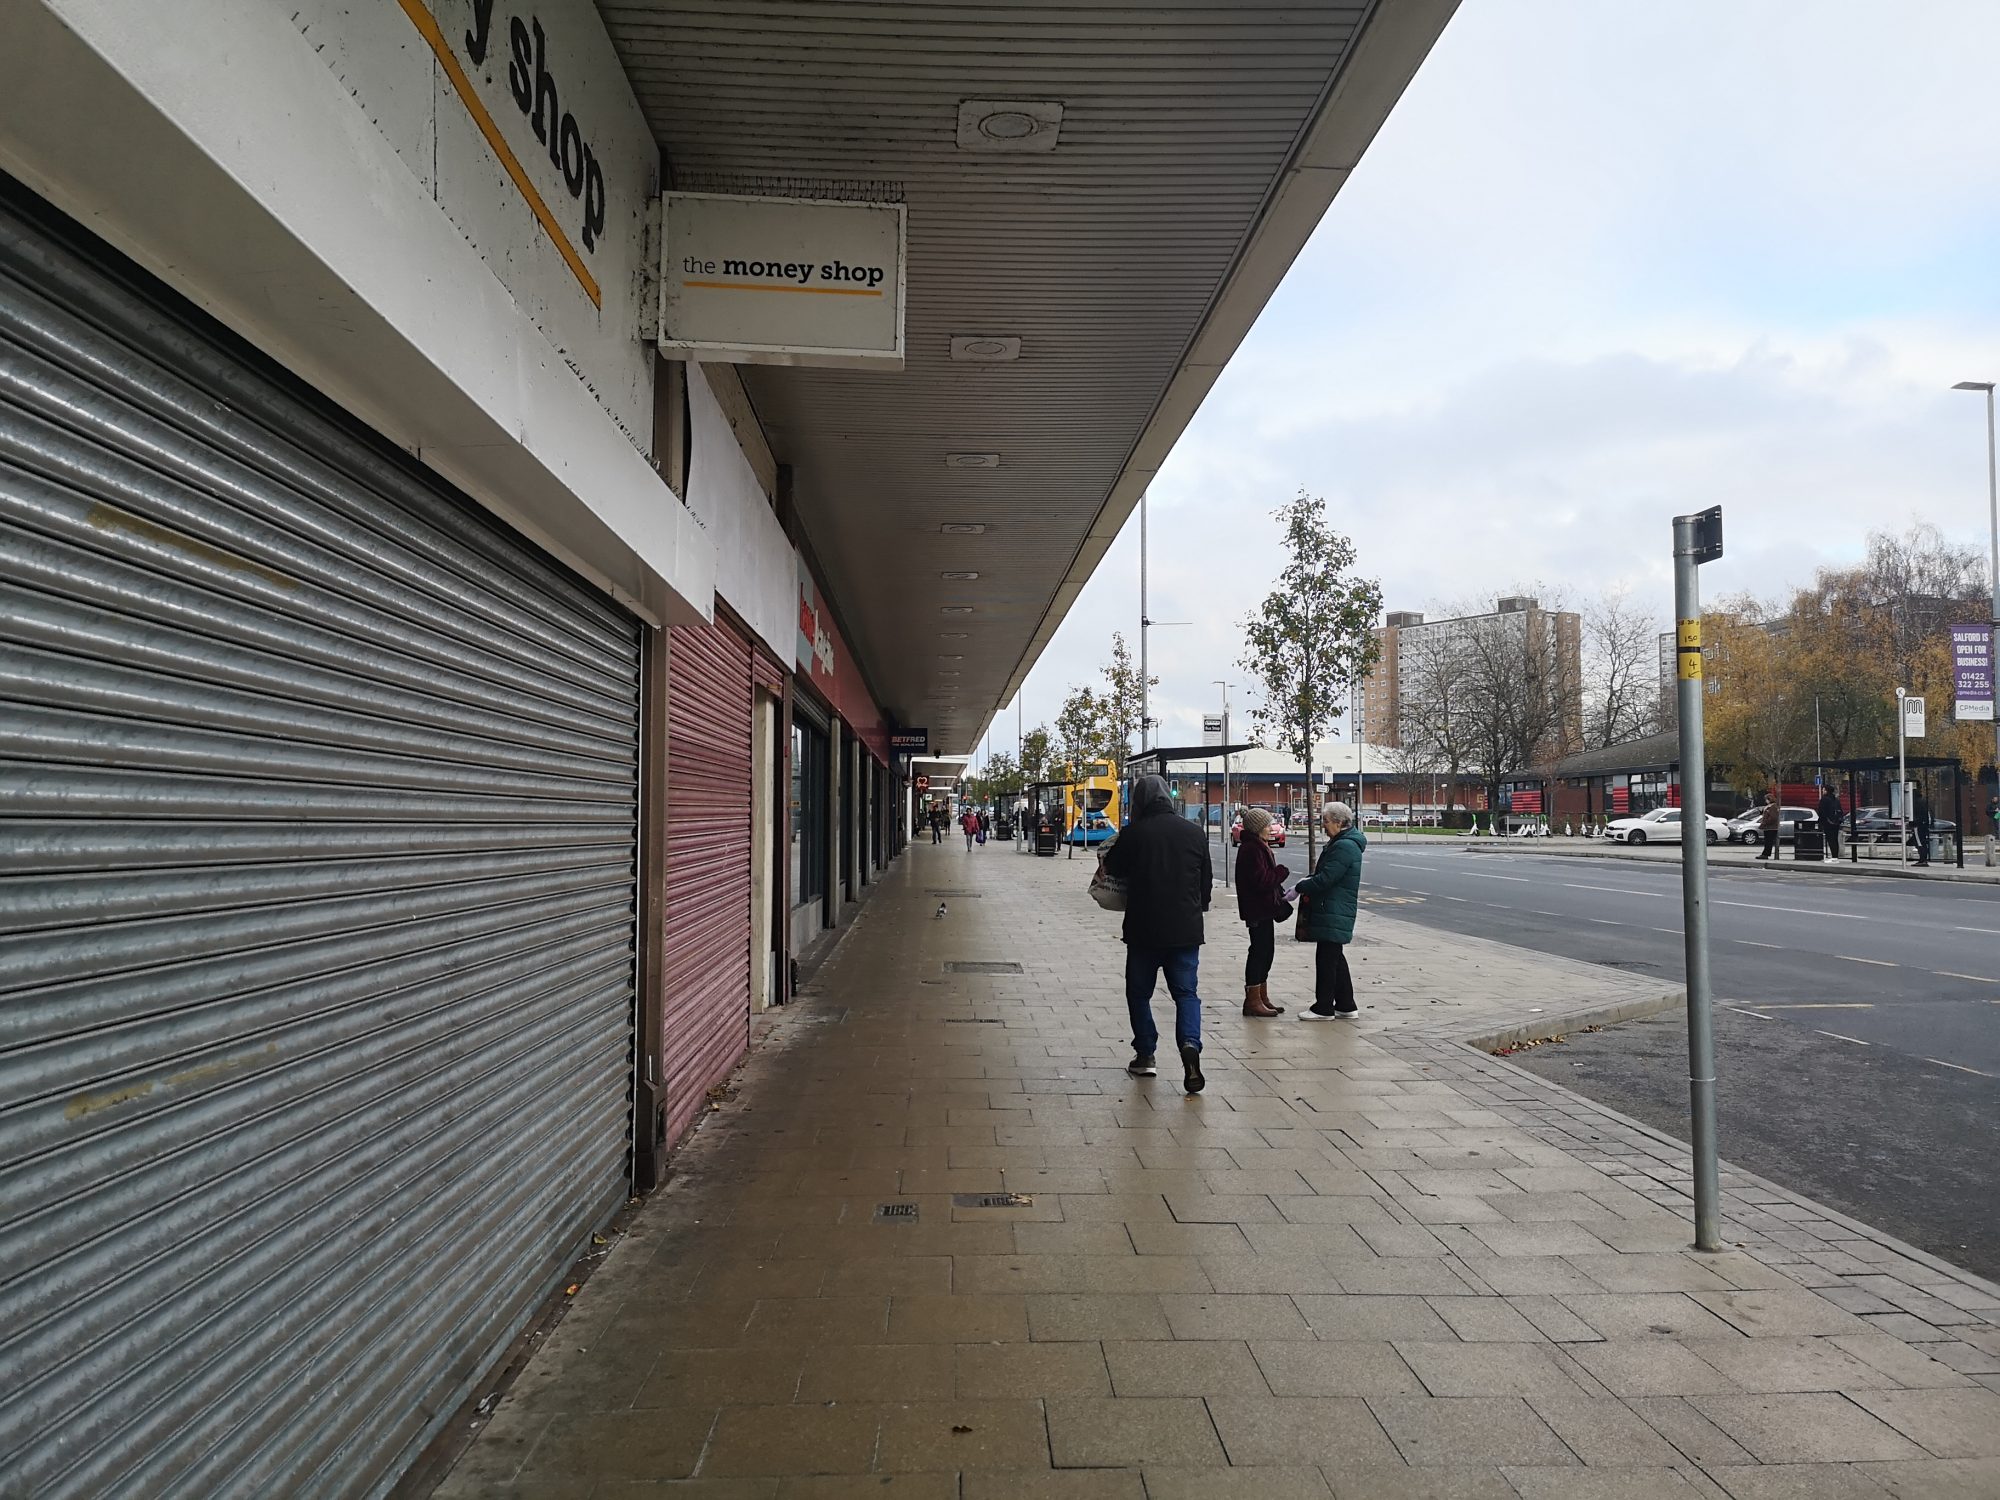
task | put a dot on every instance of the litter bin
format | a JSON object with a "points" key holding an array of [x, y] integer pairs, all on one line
{"points": [[1047, 833], [1809, 843]]}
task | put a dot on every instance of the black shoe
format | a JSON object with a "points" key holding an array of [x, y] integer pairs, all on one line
{"points": [[1143, 1066], [1191, 1070]]}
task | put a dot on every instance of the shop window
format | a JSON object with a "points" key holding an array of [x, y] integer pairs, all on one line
{"points": [[809, 751]]}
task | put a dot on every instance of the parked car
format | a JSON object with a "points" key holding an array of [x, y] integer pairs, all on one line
{"points": [[1877, 825], [1747, 827], [1236, 833], [1662, 824]]}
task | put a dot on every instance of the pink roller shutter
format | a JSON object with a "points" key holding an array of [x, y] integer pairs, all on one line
{"points": [[707, 969]]}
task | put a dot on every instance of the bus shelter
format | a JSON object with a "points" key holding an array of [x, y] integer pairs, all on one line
{"points": [[1867, 772]]}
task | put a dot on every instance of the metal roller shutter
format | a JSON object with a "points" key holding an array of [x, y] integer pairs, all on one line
{"points": [[318, 799], [709, 859]]}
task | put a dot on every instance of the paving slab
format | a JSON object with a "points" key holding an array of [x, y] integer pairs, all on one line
{"points": [[1368, 1261]]}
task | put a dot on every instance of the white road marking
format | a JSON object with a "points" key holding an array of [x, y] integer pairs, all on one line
{"points": [[1819, 1005], [1606, 922], [1751, 943], [1669, 931], [1989, 931], [1839, 1038], [1518, 879], [1957, 1067], [1804, 911], [1975, 978], [1880, 963], [1758, 1014], [1459, 899], [1621, 890]]}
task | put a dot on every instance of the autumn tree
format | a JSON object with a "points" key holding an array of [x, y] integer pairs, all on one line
{"points": [[1314, 635], [1757, 717]]}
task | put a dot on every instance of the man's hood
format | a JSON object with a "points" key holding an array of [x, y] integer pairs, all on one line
{"points": [[1150, 794]]}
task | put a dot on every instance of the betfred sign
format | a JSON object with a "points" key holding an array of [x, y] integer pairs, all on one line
{"points": [[910, 741], [782, 281]]}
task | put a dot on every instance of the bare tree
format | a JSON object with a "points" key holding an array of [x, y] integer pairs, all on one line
{"points": [[1518, 691], [1437, 720], [1621, 695]]}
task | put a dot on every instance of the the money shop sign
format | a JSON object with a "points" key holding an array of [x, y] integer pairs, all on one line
{"points": [[788, 281]]}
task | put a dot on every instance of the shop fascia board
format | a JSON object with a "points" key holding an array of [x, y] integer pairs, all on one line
{"points": [[1394, 40], [241, 174]]}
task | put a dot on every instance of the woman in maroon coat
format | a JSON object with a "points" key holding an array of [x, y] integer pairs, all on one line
{"points": [[1260, 886]]}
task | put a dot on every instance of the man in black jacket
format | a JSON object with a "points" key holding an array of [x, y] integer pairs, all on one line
{"points": [[1163, 860], [1830, 814]]}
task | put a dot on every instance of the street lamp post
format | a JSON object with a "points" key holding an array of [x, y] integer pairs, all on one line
{"points": [[1993, 519], [1225, 784]]}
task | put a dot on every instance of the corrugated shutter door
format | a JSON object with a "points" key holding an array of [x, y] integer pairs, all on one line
{"points": [[318, 800], [709, 857]]}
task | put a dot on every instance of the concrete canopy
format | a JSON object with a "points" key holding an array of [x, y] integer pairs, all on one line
{"points": [[1198, 146]]}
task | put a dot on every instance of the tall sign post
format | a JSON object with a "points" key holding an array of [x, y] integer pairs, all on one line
{"points": [[1697, 539]]}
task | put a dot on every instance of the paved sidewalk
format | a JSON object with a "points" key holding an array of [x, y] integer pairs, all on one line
{"points": [[1367, 1262]]}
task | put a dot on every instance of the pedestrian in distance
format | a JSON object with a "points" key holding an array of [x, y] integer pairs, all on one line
{"points": [[1830, 814], [1163, 860], [1260, 895], [1768, 824], [985, 823], [1329, 900], [937, 824], [969, 822], [1921, 818]]}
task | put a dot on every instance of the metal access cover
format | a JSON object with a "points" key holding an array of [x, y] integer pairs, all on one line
{"points": [[959, 895], [992, 1200], [896, 1213], [972, 1021], [983, 966]]}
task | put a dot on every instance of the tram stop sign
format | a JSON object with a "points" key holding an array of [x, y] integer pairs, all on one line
{"points": [[1708, 535]]}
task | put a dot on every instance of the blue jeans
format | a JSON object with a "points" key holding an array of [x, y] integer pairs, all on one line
{"points": [[1142, 969]]}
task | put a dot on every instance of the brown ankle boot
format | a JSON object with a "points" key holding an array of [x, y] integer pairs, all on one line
{"points": [[1254, 1003], [1264, 999]]}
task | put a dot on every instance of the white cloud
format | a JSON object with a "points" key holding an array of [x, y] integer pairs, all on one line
{"points": [[1606, 262]]}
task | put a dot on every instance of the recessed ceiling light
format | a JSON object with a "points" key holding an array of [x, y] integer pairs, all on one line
{"points": [[972, 460], [955, 609], [985, 349], [1009, 124], [943, 657], [954, 635], [959, 575], [962, 528], [947, 671]]}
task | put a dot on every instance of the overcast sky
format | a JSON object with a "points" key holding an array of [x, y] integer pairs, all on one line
{"points": [[1607, 261]]}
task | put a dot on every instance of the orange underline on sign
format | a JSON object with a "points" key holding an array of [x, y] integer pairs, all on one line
{"points": [[758, 286], [427, 26]]}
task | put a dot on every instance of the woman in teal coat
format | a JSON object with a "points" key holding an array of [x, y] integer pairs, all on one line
{"points": [[1332, 896]]}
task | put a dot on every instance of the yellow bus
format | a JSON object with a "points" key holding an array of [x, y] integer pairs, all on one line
{"points": [[1095, 805]]}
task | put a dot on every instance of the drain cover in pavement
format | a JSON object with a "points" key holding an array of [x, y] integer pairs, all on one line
{"points": [[983, 966], [959, 895], [992, 1200], [972, 1021], [896, 1213]]}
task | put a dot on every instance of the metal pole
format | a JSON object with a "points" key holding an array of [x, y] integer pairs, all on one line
{"points": [[1993, 517], [1694, 885], [1902, 786], [1227, 800], [1145, 678]]}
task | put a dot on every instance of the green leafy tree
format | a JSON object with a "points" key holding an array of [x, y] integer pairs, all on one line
{"points": [[1122, 705], [1079, 730], [1314, 635], [1035, 750]]}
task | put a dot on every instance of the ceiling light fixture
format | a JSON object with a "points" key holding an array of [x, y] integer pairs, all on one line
{"points": [[962, 528], [1032, 125], [985, 349], [972, 460], [959, 575], [943, 657], [955, 609], [954, 635]]}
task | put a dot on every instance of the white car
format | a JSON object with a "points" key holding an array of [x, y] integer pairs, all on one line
{"points": [[1662, 825]]}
